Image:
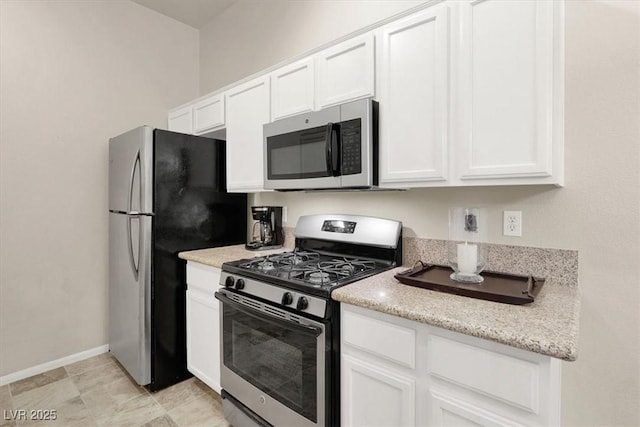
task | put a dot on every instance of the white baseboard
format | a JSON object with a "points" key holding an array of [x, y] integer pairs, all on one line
{"points": [[39, 369]]}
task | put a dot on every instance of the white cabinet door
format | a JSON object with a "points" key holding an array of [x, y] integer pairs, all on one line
{"points": [[345, 71], [372, 395], [203, 337], [181, 120], [247, 110], [414, 87], [292, 89], [203, 323], [506, 91], [456, 380], [447, 411], [208, 114]]}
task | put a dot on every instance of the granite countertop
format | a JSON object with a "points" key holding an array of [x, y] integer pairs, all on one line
{"points": [[548, 326], [215, 257]]}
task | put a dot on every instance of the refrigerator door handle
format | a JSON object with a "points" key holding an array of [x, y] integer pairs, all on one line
{"points": [[136, 162], [132, 261]]}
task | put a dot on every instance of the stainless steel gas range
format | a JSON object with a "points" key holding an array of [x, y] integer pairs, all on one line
{"points": [[280, 329]]}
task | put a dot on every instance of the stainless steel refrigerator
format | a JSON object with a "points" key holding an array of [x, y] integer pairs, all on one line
{"points": [[167, 193]]}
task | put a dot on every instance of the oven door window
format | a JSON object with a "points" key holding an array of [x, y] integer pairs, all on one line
{"points": [[298, 155], [279, 360]]}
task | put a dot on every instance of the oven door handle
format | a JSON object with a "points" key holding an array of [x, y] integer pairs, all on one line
{"points": [[313, 330]]}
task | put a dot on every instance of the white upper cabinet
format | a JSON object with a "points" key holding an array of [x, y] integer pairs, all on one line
{"points": [[471, 92], [345, 71], [208, 114], [247, 110], [292, 89], [413, 93], [199, 117], [510, 92], [181, 120]]}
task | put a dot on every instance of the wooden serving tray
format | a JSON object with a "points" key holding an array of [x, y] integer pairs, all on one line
{"points": [[498, 287]]}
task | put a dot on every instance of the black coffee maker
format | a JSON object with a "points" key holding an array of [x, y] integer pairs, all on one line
{"points": [[267, 231]]}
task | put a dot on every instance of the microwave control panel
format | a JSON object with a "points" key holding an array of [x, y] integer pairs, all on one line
{"points": [[350, 133]]}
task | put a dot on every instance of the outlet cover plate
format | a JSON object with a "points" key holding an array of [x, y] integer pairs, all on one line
{"points": [[512, 223]]}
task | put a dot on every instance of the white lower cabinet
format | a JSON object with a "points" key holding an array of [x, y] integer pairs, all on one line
{"points": [[203, 324], [456, 380], [447, 411], [376, 395]]}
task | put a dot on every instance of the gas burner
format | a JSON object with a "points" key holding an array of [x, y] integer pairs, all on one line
{"points": [[318, 277], [347, 267], [297, 257], [263, 264], [266, 265]]}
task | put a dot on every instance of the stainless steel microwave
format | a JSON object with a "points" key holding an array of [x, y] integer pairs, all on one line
{"points": [[334, 148]]}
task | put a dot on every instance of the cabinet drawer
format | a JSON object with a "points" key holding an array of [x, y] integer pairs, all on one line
{"points": [[202, 277], [383, 339], [500, 376]]}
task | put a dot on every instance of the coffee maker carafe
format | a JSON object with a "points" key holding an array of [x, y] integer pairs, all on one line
{"points": [[267, 230]]}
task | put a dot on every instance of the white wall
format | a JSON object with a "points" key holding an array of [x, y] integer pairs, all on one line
{"points": [[72, 75], [597, 212]]}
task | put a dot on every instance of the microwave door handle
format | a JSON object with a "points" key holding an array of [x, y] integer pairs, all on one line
{"points": [[336, 150], [329, 148], [333, 151]]}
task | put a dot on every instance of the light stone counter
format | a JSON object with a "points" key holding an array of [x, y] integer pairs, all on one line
{"points": [[215, 257], [548, 326]]}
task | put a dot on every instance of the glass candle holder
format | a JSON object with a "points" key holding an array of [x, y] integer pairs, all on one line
{"points": [[467, 248]]}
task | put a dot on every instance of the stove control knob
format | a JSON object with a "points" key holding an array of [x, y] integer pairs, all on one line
{"points": [[229, 282], [287, 298], [240, 284], [303, 303]]}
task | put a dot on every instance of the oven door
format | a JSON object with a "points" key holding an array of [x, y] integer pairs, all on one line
{"points": [[273, 361], [303, 152]]}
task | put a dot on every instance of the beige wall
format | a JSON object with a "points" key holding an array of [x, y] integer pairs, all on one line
{"points": [[252, 35], [597, 212], [72, 74]]}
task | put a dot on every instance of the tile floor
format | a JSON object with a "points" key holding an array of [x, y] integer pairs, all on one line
{"points": [[98, 392]]}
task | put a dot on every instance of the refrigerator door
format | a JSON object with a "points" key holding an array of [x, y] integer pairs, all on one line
{"points": [[130, 293], [191, 211], [131, 171]]}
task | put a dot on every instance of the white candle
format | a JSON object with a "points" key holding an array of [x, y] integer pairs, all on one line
{"points": [[467, 258]]}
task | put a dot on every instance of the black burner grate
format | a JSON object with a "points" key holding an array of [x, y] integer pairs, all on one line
{"points": [[310, 267]]}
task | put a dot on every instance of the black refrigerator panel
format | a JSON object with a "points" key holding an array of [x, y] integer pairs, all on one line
{"points": [[192, 211]]}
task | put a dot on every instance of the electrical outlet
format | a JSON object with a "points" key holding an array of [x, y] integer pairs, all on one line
{"points": [[512, 223]]}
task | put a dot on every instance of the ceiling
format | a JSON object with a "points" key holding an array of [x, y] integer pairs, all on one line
{"points": [[195, 13]]}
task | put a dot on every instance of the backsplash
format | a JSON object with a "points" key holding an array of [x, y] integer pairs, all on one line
{"points": [[559, 266]]}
